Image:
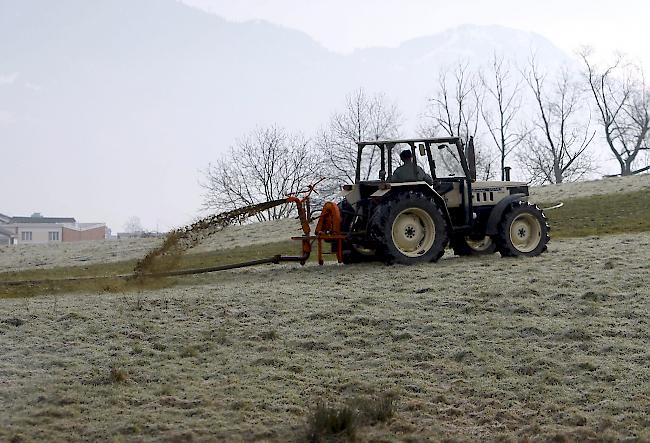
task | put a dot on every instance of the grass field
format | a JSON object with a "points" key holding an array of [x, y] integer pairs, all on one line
{"points": [[551, 348], [484, 348]]}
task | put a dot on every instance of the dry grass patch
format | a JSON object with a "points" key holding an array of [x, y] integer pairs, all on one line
{"points": [[118, 375], [330, 422], [326, 423]]}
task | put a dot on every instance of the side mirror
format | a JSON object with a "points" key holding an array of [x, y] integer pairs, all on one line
{"points": [[423, 152]]}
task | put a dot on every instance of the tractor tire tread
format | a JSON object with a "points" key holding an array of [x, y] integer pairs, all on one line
{"points": [[380, 220]]}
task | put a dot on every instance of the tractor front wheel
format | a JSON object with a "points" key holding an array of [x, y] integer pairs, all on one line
{"points": [[523, 231], [410, 229]]}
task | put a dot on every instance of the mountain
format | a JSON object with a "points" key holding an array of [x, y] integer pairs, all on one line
{"points": [[111, 108]]}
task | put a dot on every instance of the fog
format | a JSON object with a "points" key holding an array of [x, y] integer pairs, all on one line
{"points": [[110, 109]]}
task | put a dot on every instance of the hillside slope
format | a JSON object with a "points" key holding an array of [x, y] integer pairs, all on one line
{"points": [[579, 217], [604, 186]]}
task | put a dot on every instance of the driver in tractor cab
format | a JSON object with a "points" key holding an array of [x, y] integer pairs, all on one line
{"points": [[405, 173]]}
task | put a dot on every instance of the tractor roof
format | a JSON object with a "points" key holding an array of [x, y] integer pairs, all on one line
{"points": [[452, 140]]}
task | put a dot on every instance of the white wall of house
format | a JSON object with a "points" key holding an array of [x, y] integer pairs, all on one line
{"points": [[38, 233]]}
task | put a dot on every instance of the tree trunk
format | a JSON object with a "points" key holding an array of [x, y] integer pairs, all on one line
{"points": [[559, 174], [626, 167]]}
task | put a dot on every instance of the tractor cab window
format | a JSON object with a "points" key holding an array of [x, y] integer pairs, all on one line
{"points": [[370, 167], [370, 163], [447, 162], [420, 159]]}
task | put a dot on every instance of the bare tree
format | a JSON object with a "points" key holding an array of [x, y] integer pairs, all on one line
{"points": [[501, 107], [364, 117], [133, 225], [454, 111], [557, 149], [622, 98], [265, 165]]}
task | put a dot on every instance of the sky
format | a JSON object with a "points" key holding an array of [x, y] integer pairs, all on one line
{"points": [[339, 25], [343, 25]]}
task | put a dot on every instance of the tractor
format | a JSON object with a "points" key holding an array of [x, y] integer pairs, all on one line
{"points": [[415, 221]]}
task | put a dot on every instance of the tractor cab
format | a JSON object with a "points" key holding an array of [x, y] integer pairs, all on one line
{"points": [[449, 184], [388, 153]]}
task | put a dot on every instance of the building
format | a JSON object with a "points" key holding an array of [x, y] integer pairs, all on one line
{"points": [[39, 229], [84, 231], [6, 235]]}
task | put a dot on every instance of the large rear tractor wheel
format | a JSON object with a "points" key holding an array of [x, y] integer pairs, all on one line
{"points": [[463, 245], [523, 231], [410, 229]]}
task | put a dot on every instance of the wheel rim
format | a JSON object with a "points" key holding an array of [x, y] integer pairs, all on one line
{"points": [[413, 232], [525, 232], [481, 245]]}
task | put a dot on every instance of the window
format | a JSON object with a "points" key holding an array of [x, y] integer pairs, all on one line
{"points": [[26, 236], [53, 236]]}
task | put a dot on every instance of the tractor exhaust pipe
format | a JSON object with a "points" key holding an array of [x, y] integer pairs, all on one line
{"points": [[471, 159]]}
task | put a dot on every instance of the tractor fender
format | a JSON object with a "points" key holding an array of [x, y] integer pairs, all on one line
{"points": [[497, 212]]}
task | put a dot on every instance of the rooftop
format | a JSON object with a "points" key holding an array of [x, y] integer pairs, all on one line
{"points": [[84, 226], [43, 220]]}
